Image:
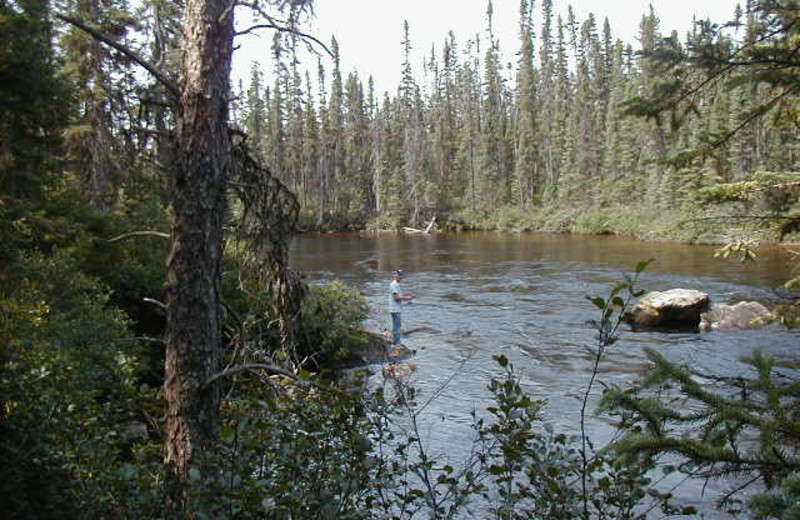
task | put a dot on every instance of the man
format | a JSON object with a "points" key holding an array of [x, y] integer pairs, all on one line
{"points": [[396, 299]]}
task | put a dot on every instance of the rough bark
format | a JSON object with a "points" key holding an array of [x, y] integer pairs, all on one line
{"points": [[193, 301]]}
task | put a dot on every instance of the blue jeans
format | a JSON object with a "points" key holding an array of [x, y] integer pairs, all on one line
{"points": [[395, 328]]}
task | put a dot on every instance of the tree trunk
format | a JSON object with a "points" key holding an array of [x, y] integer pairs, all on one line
{"points": [[193, 300]]}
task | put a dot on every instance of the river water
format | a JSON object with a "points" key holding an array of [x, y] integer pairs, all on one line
{"points": [[523, 296]]}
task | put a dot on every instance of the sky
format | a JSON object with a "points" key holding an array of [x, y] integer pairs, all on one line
{"points": [[369, 32]]}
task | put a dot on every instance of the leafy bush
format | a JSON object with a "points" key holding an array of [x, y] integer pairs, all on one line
{"points": [[330, 323], [384, 222], [294, 449], [595, 221], [69, 385]]}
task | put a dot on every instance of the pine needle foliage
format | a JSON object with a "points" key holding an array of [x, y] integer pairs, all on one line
{"points": [[743, 427]]}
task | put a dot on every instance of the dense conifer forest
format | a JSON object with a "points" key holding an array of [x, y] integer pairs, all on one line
{"points": [[556, 140]]}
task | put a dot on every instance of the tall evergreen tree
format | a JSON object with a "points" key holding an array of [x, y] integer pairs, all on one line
{"points": [[194, 330], [255, 111], [333, 134], [275, 149], [93, 140], [33, 98], [493, 181], [311, 149], [527, 181]]}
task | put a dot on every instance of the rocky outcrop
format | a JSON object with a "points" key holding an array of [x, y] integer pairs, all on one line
{"points": [[378, 349], [399, 371], [676, 308], [399, 352], [743, 315]]}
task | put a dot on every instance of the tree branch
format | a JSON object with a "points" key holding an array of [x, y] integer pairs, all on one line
{"points": [[281, 28], [158, 234], [155, 302], [760, 111], [149, 67], [248, 367], [275, 25]]}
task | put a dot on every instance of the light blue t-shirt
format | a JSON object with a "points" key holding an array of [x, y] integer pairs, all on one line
{"points": [[394, 305]]}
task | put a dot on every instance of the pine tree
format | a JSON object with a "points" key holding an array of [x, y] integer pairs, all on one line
{"points": [[568, 117], [333, 133], [311, 150], [493, 179], [547, 93], [414, 135], [194, 320], [255, 111], [588, 107], [620, 153], [34, 99], [357, 152], [94, 141], [745, 432], [392, 160], [527, 181], [469, 108], [295, 138], [450, 172], [653, 139]]}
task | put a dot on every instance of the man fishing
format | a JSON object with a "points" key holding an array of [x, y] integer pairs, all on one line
{"points": [[396, 299]]}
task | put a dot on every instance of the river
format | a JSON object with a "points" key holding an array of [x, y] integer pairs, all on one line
{"points": [[523, 296]]}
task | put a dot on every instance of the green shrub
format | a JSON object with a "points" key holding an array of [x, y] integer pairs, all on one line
{"points": [[384, 222], [595, 221], [69, 385], [330, 323]]}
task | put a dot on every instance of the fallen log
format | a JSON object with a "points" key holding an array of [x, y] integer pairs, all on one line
{"points": [[415, 231]]}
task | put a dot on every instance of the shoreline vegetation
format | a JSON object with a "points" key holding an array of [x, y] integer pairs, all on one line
{"points": [[643, 225]]}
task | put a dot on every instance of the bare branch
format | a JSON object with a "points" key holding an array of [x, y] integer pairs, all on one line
{"points": [[245, 368], [277, 25], [158, 234], [155, 302], [149, 67], [290, 30]]}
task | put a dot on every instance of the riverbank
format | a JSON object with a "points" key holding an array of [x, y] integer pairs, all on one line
{"points": [[707, 225]]}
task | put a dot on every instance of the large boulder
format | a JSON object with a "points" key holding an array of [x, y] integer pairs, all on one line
{"points": [[743, 315], [676, 308]]}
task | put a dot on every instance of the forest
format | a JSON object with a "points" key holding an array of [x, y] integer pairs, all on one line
{"points": [[162, 357], [547, 142]]}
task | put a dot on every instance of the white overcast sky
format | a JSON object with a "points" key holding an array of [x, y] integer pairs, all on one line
{"points": [[369, 32]]}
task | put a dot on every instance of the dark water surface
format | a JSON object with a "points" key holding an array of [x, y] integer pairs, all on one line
{"points": [[523, 295]]}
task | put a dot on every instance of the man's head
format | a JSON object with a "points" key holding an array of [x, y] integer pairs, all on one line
{"points": [[398, 274]]}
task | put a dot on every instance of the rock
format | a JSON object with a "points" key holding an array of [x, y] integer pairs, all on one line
{"points": [[743, 315], [378, 349], [400, 371], [673, 308], [398, 352], [375, 350]]}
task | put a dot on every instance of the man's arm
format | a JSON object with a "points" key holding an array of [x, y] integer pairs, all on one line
{"points": [[402, 297]]}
